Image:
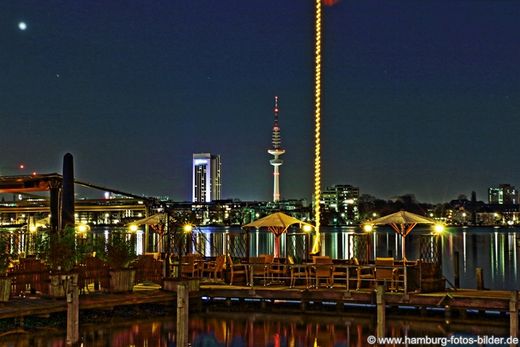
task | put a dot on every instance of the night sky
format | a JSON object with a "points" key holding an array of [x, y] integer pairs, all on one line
{"points": [[418, 96]]}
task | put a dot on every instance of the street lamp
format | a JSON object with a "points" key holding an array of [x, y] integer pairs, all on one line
{"points": [[438, 228]]}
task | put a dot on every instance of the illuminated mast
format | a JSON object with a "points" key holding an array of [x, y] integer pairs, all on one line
{"points": [[316, 247], [276, 151]]}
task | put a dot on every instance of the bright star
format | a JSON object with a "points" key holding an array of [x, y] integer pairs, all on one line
{"points": [[22, 26]]}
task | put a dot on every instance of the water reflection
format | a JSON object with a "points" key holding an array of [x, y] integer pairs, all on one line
{"points": [[217, 329]]}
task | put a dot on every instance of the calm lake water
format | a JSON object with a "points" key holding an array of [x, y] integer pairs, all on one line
{"points": [[241, 329]]}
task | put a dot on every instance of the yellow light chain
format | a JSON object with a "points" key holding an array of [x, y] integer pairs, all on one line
{"points": [[317, 146]]}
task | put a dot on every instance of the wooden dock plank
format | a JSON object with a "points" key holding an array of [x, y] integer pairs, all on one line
{"points": [[460, 299]]}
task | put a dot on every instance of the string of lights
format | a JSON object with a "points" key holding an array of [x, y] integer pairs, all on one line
{"points": [[317, 146]]}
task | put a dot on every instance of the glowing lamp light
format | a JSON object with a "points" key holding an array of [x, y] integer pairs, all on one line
{"points": [[33, 228], [368, 228], [438, 228], [307, 228], [82, 228], [133, 228], [187, 228]]}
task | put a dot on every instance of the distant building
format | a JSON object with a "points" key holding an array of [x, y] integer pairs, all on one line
{"points": [[342, 199], [206, 177], [504, 194]]}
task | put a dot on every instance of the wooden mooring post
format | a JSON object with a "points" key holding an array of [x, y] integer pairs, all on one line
{"points": [[479, 276], [381, 318], [182, 314], [456, 270], [513, 314], [72, 295]]}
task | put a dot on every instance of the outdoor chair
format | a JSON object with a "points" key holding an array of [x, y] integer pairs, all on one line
{"points": [[236, 269], [297, 271], [190, 266], [148, 269], [386, 273], [340, 273], [322, 269], [277, 271], [259, 268], [215, 268], [363, 273]]}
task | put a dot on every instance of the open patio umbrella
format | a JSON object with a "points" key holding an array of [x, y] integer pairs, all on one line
{"points": [[403, 223], [157, 222], [277, 223]]}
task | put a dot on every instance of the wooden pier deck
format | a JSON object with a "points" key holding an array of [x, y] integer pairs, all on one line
{"points": [[42, 306], [463, 299], [468, 299]]}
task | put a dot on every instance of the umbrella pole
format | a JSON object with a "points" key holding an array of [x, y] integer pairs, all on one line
{"points": [[276, 246], [403, 252]]}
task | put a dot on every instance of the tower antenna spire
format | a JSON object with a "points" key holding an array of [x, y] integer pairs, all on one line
{"points": [[276, 151]]}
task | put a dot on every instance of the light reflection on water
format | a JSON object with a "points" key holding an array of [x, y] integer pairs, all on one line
{"points": [[257, 329]]}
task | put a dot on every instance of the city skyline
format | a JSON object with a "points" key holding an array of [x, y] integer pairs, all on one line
{"points": [[417, 97]]}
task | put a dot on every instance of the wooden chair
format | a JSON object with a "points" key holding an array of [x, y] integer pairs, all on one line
{"points": [[236, 269], [297, 271], [190, 266], [148, 269], [341, 273], [363, 273], [215, 268], [386, 272], [30, 274], [259, 268], [322, 268], [94, 271], [277, 271]]}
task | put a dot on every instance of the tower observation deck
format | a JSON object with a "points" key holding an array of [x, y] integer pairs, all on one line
{"points": [[276, 151]]}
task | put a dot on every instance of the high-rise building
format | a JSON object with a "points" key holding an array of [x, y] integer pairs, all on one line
{"points": [[276, 151], [206, 177], [504, 194], [342, 198]]}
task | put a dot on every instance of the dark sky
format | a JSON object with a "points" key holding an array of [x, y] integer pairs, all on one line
{"points": [[419, 96]]}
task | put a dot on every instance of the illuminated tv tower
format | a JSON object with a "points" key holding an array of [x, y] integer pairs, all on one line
{"points": [[276, 151]]}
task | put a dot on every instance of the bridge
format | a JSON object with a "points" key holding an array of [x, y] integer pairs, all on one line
{"points": [[61, 203]]}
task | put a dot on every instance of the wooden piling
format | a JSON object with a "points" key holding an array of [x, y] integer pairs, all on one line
{"points": [[381, 319], [72, 294], [513, 314], [479, 275], [456, 270], [182, 314]]}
